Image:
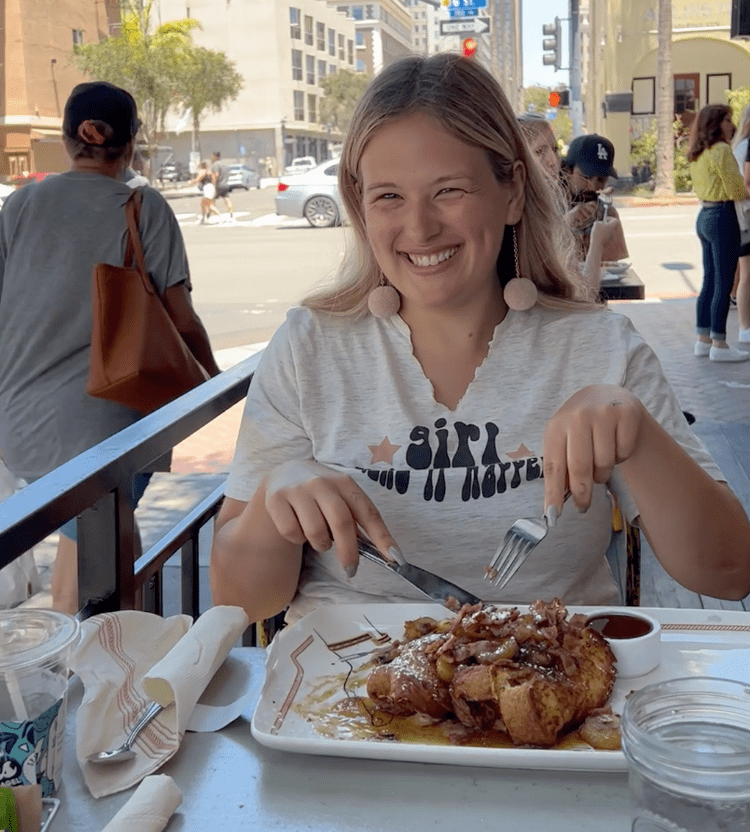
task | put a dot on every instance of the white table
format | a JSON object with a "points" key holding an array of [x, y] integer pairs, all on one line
{"points": [[232, 783]]}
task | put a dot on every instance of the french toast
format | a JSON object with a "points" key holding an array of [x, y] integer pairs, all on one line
{"points": [[531, 675]]}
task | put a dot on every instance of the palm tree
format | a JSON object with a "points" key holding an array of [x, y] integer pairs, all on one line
{"points": [[664, 104], [149, 65]]}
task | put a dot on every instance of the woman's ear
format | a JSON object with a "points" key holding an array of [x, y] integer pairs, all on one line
{"points": [[517, 186]]}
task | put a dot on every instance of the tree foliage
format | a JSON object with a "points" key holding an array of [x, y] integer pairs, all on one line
{"points": [[738, 99], [160, 67], [209, 80], [342, 92]]}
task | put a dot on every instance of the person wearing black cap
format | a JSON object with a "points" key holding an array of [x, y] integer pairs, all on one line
{"points": [[585, 170], [51, 234]]}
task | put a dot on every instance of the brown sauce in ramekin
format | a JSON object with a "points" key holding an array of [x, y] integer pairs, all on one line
{"points": [[620, 626]]}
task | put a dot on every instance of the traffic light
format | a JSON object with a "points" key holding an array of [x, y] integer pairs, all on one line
{"points": [[552, 45], [559, 98], [469, 47]]}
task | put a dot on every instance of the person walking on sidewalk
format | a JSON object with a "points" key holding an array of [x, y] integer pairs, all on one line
{"points": [[220, 176], [741, 288], [204, 180], [52, 233], [717, 183]]}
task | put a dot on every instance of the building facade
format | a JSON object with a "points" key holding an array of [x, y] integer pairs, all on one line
{"points": [[618, 63], [383, 32], [283, 49], [37, 76]]}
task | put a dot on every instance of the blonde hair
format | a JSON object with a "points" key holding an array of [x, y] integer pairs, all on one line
{"points": [[466, 101]]}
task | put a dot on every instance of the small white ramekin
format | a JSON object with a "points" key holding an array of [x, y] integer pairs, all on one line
{"points": [[636, 655]]}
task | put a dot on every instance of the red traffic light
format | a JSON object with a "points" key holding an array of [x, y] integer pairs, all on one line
{"points": [[469, 47], [554, 99]]}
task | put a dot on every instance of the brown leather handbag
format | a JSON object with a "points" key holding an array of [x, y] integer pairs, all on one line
{"points": [[138, 357]]}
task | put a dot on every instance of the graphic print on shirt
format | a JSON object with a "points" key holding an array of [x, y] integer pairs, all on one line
{"points": [[431, 451]]}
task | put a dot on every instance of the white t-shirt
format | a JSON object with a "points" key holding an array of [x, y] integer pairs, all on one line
{"points": [[351, 395]]}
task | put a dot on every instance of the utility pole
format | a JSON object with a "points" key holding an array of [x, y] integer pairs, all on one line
{"points": [[576, 105]]}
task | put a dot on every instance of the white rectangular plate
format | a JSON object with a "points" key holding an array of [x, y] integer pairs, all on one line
{"points": [[694, 643]]}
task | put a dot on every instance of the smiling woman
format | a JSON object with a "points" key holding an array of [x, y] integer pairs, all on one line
{"points": [[487, 388]]}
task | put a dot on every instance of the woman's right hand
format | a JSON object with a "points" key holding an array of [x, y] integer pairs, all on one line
{"points": [[602, 231], [311, 503]]}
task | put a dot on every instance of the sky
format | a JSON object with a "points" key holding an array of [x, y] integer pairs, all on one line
{"points": [[535, 14]]}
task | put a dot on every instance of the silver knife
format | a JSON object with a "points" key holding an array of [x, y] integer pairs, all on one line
{"points": [[430, 585]]}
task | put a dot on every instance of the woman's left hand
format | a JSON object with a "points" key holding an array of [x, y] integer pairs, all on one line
{"points": [[594, 430]]}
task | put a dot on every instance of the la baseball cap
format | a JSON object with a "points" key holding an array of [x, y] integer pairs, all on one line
{"points": [[102, 101], [593, 154]]}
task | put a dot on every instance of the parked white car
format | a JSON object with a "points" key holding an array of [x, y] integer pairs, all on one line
{"points": [[301, 164], [313, 195]]}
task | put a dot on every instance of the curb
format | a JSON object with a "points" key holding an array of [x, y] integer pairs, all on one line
{"points": [[656, 202]]}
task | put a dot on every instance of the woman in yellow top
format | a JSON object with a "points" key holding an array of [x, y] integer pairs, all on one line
{"points": [[717, 183]]}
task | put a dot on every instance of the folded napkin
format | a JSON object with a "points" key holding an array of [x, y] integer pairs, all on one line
{"points": [[150, 807], [126, 659]]}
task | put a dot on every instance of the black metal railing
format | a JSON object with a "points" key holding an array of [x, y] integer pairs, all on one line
{"points": [[112, 572]]}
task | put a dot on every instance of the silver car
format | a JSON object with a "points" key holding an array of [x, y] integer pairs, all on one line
{"points": [[242, 176], [313, 195]]}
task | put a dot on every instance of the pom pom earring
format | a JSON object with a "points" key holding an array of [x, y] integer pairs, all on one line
{"points": [[384, 301], [520, 294]]}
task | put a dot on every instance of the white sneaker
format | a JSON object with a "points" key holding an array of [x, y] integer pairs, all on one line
{"points": [[701, 348], [744, 336], [728, 354]]}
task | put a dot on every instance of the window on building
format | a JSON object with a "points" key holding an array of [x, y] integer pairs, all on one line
{"points": [[716, 85], [416, 41], [686, 93], [342, 56], [299, 105], [312, 107], [77, 37], [331, 42], [332, 69], [310, 68], [361, 65], [320, 28], [296, 64], [359, 37], [308, 30], [350, 51], [321, 70], [358, 13], [644, 95], [295, 31]]}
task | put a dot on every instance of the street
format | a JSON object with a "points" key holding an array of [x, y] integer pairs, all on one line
{"points": [[246, 275]]}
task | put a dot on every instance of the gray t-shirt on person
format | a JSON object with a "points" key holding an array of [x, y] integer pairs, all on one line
{"points": [[51, 235], [221, 172]]}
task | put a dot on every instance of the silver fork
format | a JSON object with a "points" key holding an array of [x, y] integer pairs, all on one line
{"points": [[519, 542], [606, 199]]}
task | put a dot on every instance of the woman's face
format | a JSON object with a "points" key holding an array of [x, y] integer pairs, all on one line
{"points": [[727, 128], [545, 148], [435, 214]]}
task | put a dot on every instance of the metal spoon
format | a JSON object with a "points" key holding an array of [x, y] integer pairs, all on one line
{"points": [[125, 751]]}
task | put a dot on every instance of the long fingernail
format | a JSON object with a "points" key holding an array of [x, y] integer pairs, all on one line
{"points": [[351, 570], [551, 514], [396, 555]]}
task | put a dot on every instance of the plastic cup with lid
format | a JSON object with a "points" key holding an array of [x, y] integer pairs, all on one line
{"points": [[35, 648]]}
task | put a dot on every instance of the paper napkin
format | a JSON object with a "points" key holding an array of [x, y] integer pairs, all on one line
{"points": [[128, 659], [150, 807]]}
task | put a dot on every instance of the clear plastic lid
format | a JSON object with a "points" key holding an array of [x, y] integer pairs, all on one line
{"points": [[33, 637]]}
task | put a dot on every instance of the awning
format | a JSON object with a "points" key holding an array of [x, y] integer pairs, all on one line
{"points": [[43, 134]]}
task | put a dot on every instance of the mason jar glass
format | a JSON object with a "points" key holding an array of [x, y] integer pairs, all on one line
{"points": [[687, 743]]}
